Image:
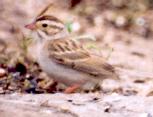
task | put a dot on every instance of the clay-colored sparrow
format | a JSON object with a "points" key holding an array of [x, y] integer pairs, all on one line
{"points": [[65, 59]]}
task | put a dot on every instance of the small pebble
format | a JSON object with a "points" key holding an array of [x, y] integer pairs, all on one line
{"points": [[95, 99], [108, 108], [64, 108], [140, 21], [121, 21], [11, 69], [1, 90], [70, 100], [21, 68], [2, 72]]}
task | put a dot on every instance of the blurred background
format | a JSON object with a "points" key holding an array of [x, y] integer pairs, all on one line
{"points": [[81, 17], [121, 31]]}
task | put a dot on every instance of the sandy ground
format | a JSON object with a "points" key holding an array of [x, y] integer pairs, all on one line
{"points": [[75, 105]]}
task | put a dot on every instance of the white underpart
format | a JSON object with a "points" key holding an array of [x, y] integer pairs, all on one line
{"points": [[63, 74]]}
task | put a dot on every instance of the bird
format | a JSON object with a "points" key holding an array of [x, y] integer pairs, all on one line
{"points": [[66, 60]]}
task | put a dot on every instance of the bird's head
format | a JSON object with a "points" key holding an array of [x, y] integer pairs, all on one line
{"points": [[48, 27]]}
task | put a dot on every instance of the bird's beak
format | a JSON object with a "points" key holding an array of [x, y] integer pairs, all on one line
{"points": [[31, 26]]}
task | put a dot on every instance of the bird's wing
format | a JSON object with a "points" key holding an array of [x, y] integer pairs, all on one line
{"points": [[71, 53]]}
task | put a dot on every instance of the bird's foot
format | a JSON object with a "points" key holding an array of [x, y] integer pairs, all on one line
{"points": [[71, 89]]}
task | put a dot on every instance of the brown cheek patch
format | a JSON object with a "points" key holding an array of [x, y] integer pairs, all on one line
{"points": [[53, 31]]}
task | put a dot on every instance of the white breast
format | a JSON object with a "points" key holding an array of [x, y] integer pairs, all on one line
{"points": [[58, 72]]}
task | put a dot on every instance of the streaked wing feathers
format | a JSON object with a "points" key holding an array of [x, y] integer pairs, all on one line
{"points": [[71, 54]]}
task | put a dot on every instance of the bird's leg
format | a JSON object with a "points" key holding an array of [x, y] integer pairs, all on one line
{"points": [[72, 88]]}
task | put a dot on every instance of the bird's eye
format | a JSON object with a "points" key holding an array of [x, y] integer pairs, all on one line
{"points": [[44, 25]]}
